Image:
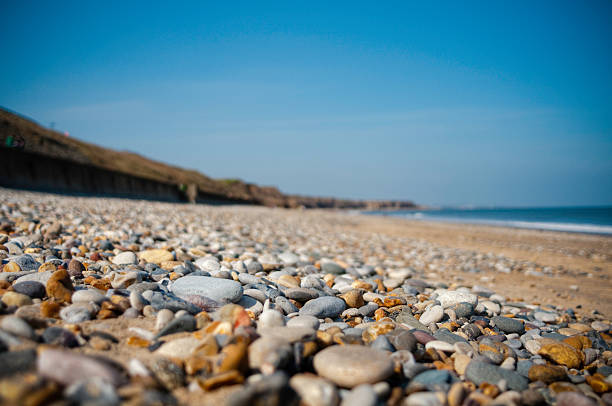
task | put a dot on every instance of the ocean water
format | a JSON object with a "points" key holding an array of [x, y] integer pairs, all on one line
{"points": [[593, 220]]}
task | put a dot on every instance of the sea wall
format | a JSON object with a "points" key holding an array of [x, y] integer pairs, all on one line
{"points": [[26, 170]]}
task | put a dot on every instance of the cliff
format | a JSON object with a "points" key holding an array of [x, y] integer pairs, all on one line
{"points": [[38, 158]]}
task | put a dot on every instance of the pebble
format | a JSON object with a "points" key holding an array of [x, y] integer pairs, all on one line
{"points": [[164, 317], [221, 290], [125, 258], [509, 325], [433, 315], [17, 326], [253, 301], [156, 256], [479, 372], [67, 367], [451, 298], [326, 306], [361, 395], [76, 313], [352, 365], [304, 321], [314, 391], [16, 299], [88, 295], [32, 289]]}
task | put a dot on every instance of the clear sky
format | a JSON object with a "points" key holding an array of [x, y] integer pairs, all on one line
{"points": [[486, 103]]}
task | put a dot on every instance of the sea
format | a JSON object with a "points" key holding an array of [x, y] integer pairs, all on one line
{"points": [[591, 220]]}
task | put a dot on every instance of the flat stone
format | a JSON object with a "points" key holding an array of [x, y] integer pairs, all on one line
{"points": [[156, 256], [59, 336], [332, 267], [562, 354], [304, 321], [179, 348], [479, 372], [221, 290], [361, 395], [32, 289], [433, 315], [16, 299], [314, 390], [452, 297], [464, 309], [352, 365], [425, 399], [17, 326], [509, 325], [326, 306], [41, 277], [270, 353], [88, 295], [125, 258], [440, 346], [76, 313], [67, 367], [301, 294]]}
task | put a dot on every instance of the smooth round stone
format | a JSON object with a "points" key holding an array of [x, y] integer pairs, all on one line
{"points": [[289, 258], [59, 336], [382, 343], [137, 301], [301, 294], [88, 295], [425, 399], [479, 372], [351, 365], [30, 288], [16, 299], [76, 313], [314, 390], [68, 367], [125, 258], [440, 346], [41, 277], [545, 317], [326, 306], [331, 267], [304, 321], [433, 315], [270, 318], [432, 377], [156, 256], [164, 316], [26, 262], [362, 395], [221, 290], [180, 348], [255, 294], [509, 325], [269, 352], [453, 297], [17, 326], [464, 310]]}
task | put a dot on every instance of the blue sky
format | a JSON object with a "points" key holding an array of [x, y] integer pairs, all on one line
{"points": [[485, 103]]}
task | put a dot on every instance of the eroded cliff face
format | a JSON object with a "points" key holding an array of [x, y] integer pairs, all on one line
{"points": [[37, 158]]}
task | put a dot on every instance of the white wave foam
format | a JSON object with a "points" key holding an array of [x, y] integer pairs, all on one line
{"points": [[536, 225]]}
